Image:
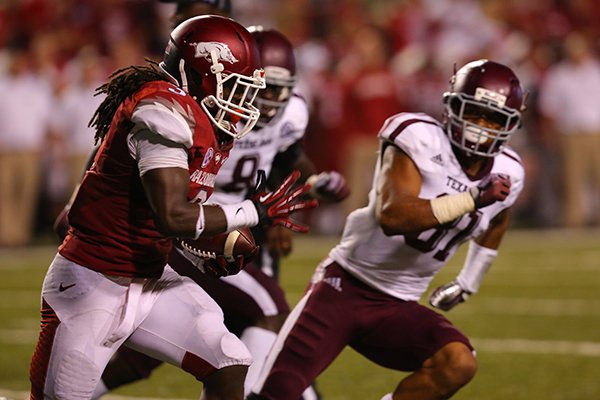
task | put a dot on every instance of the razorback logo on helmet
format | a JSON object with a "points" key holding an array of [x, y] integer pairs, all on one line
{"points": [[204, 49]]}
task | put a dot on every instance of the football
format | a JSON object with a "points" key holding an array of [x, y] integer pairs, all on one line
{"points": [[230, 245]]}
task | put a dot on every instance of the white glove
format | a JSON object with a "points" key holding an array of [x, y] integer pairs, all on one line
{"points": [[448, 296], [329, 185]]}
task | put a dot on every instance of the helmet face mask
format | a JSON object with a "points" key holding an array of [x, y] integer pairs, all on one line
{"points": [[232, 106], [279, 62], [483, 108], [276, 96], [215, 60]]}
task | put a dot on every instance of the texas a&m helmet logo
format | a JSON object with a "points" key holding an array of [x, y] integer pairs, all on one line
{"points": [[223, 52]]}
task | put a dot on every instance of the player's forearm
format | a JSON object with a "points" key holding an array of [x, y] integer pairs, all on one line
{"points": [[492, 237], [478, 262], [407, 215], [166, 190], [305, 166]]}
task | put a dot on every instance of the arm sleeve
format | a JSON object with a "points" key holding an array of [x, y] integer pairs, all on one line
{"points": [[167, 117], [478, 262], [153, 151]]}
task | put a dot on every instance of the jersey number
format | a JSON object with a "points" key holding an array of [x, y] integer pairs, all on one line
{"points": [[430, 244], [244, 173]]}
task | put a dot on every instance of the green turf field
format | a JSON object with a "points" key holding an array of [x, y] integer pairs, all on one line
{"points": [[535, 323]]}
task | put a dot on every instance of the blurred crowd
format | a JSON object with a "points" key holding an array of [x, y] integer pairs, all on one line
{"points": [[360, 61]]}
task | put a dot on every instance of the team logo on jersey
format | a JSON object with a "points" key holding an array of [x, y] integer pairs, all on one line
{"points": [[456, 185], [335, 282], [203, 178], [437, 159], [207, 157], [287, 129], [221, 50]]}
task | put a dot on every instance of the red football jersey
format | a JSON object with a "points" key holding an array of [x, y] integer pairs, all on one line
{"points": [[112, 224]]}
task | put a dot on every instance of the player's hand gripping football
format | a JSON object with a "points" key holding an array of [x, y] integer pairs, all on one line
{"points": [[221, 266], [274, 208], [328, 185], [448, 296], [492, 188]]}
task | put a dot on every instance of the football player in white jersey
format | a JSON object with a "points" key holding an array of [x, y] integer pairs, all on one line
{"points": [[252, 301], [435, 187]]}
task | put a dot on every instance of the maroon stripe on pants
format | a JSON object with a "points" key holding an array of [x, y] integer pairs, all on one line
{"points": [[41, 356]]}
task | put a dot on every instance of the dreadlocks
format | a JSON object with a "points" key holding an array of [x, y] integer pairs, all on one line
{"points": [[121, 85]]}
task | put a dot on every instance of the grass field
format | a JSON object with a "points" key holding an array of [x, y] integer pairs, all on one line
{"points": [[535, 323]]}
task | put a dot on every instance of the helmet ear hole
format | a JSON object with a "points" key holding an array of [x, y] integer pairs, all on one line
{"points": [[171, 61], [196, 77]]}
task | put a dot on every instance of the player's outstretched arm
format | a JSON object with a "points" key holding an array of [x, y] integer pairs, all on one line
{"points": [[480, 256], [400, 210]]}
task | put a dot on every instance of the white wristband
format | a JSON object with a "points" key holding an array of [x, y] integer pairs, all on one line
{"points": [[449, 207], [200, 222], [478, 261], [240, 215]]}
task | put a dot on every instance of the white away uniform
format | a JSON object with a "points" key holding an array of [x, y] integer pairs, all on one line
{"points": [[403, 265]]}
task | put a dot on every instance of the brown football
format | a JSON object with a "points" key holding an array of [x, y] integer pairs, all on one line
{"points": [[230, 245]]}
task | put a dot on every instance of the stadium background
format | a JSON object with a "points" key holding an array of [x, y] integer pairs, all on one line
{"points": [[535, 321]]}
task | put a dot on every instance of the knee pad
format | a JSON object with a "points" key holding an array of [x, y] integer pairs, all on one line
{"points": [[76, 376]]}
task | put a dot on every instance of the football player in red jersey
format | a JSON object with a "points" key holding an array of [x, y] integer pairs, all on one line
{"points": [[436, 186], [165, 131], [253, 303]]}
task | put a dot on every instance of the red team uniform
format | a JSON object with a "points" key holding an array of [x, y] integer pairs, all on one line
{"points": [[110, 284], [114, 234], [252, 301], [111, 209]]}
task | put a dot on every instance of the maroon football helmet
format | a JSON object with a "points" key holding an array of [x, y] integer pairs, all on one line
{"points": [[278, 60], [483, 90], [216, 61]]}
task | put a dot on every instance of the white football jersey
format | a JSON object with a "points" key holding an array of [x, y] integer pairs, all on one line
{"points": [[257, 150], [404, 265]]}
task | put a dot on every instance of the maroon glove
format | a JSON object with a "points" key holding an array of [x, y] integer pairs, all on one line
{"points": [[274, 208], [492, 188], [330, 186]]}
